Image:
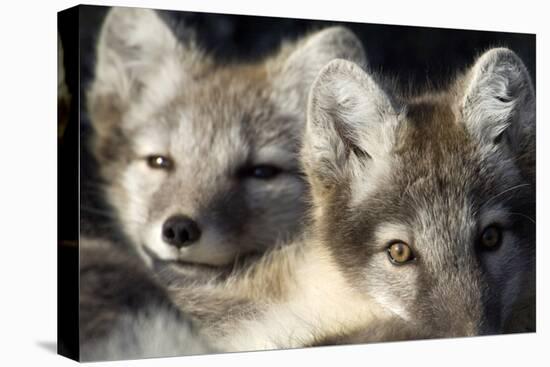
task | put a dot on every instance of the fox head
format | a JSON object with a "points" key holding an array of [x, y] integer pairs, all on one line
{"points": [[428, 203], [200, 160]]}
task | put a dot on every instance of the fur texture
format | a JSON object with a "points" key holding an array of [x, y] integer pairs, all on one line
{"points": [[156, 96], [124, 311], [431, 171]]}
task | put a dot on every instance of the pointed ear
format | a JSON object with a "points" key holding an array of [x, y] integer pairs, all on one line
{"points": [[132, 42], [351, 123], [499, 99], [301, 65]]}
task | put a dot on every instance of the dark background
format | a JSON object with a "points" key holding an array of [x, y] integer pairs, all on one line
{"points": [[414, 56]]}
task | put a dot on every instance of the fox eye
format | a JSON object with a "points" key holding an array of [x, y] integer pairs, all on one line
{"points": [[159, 162], [491, 237], [262, 172], [400, 253]]}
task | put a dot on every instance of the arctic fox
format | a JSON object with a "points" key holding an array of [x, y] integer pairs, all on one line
{"points": [[200, 160], [423, 216], [200, 163]]}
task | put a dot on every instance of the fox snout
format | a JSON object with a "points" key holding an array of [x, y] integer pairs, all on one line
{"points": [[461, 327], [180, 231], [459, 306]]}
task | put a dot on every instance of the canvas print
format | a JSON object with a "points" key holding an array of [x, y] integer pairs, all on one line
{"points": [[241, 183]]}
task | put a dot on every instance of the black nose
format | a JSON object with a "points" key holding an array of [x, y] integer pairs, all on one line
{"points": [[180, 231]]}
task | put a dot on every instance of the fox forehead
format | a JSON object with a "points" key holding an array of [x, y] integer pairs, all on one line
{"points": [[238, 104], [433, 135], [439, 173]]}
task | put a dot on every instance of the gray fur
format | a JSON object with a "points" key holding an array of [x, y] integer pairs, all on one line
{"points": [[156, 332], [384, 168], [444, 177], [124, 311], [155, 95], [431, 170]]}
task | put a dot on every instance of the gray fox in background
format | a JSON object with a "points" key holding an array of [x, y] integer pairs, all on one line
{"points": [[200, 162], [199, 159], [423, 219]]}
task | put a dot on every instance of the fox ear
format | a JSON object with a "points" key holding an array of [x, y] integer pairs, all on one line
{"points": [[351, 122], [131, 43], [299, 69], [499, 98]]}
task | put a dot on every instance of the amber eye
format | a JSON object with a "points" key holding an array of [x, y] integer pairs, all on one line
{"points": [[491, 237], [400, 253], [159, 162]]}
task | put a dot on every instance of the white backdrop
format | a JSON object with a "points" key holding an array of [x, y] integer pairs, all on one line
{"points": [[28, 84]]}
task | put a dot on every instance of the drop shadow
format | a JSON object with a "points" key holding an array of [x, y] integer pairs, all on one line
{"points": [[50, 346]]}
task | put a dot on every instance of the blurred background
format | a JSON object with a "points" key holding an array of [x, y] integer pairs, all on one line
{"points": [[415, 56], [412, 54]]}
